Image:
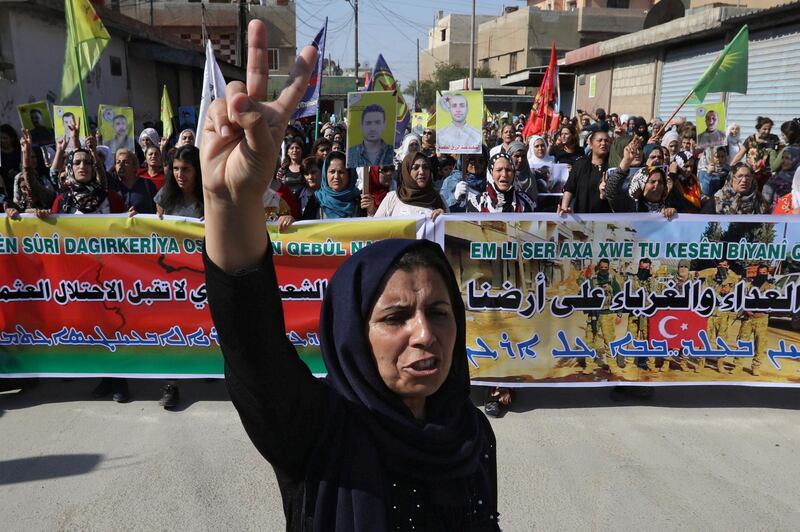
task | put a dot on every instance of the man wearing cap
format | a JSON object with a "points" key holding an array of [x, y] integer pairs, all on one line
{"points": [[638, 326], [601, 323]]}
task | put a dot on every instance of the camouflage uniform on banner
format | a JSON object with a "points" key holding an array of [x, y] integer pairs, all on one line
{"points": [[638, 326], [721, 324], [679, 279], [601, 323], [755, 324]]}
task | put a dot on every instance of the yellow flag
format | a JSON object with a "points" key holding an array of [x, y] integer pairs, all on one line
{"points": [[86, 40], [166, 113], [432, 121]]}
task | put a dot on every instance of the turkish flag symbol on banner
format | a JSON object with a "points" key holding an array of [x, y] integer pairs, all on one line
{"points": [[676, 325]]}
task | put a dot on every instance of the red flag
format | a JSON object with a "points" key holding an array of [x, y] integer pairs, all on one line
{"points": [[676, 325], [366, 78], [544, 112]]}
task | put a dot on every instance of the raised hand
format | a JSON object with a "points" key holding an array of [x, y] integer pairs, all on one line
{"points": [[75, 133], [239, 151], [25, 147]]}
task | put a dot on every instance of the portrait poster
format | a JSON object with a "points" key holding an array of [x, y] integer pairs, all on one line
{"points": [[419, 121], [370, 131], [459, 120], [116, 127], [67, 115], [35, 117], [187, 118], [710, 120]]}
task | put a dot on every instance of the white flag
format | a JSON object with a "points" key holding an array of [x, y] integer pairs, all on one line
{"points": [[213, 87]]}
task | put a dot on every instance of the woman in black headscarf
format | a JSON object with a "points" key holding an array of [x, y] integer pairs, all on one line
{"points": [[390, 440]]}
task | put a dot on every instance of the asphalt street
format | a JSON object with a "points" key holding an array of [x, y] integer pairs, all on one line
{"points": [[690, 458]]}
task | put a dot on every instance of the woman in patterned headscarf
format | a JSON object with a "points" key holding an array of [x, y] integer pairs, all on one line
{"points": [[780, 183], [83, 192], [740, 194], [500, 195]]}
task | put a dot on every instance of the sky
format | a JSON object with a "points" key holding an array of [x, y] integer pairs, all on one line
{"points": [[389, 27]]}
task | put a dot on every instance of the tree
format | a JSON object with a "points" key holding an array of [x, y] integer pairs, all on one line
{"points": [[440, 81]]}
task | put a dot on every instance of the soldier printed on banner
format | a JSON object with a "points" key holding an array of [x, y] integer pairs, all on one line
{"points": [[755, 324], [600, 328], [721, 324]]}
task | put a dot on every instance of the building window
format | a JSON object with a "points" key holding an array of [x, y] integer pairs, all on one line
{"points": [[619, 4], [484, 63], [444, 34], [272, 59], [116, 66], [512, 62], [572, 5]]}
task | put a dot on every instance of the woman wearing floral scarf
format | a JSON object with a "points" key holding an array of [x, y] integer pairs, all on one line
{"points": [[780, 183], [500, 195], [685, 196], [740, 195], [83, 193]]}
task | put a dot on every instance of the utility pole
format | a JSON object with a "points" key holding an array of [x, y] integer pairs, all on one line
{"points": [[416, 103], [354, 5], [242, 34], [151, 12], [472, 50]]}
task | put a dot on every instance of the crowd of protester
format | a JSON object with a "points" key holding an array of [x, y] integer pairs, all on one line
{"points": [[616, 164]]}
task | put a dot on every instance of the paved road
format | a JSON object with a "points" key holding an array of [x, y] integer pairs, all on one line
{"points": [[710, 458]]}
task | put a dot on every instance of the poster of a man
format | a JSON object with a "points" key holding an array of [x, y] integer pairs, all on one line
{"points": [[67, 117], [711, 125], [419, 121], [116, 127], [370, 135], [459, 122], [35, 117], [187, 118]]}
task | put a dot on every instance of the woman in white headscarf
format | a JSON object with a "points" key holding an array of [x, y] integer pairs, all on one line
{"points": [[537, 153], [410, 144], [148, 137], [734, 140]]}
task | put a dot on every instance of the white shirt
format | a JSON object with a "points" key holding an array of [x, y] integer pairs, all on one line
{"points": [[392, 206]]}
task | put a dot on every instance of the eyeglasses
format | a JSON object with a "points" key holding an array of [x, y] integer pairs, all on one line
{"points": [[742, 178], [416, 167], [427, 132]]}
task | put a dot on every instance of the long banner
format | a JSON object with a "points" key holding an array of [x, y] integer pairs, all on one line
{"points": [[604, 300], [579, 301], [117, 296]]}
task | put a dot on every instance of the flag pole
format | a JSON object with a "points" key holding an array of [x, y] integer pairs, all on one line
{"points": [[666, 124], [316, 125], [84, 125]]}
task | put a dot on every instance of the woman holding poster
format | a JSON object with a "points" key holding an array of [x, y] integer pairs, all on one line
{"points": [[390, 438]]}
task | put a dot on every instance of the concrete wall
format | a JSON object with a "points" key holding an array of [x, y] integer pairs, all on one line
{"points": [[602, 97], [633, 85], [454, 49], [561, 5]]}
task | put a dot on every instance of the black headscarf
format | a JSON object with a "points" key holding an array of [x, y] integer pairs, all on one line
{"points": [[372, 436]]}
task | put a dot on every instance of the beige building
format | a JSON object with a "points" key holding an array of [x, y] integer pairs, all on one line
{"points": [[448, 42], [521, 39], [183, 18]]}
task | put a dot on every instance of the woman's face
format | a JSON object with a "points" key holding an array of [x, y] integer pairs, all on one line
{"points": [[153, 158], [421, 171], [295, 152], [322, 152], [654, 188], [735, 130], [328, 134], [82, 167], [600, 143], [412, 332], [184, 173], [673, 148], [186, 139], [564, 135], [385, 175], [503, 174], [413, 146], [787, 163], [508, 134], [336, 146], [656, 158], [338, 179], [764, 130], [742, 180], [686, 144], [539, 148], [313, 178], [518, 156], [337, 138]]}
